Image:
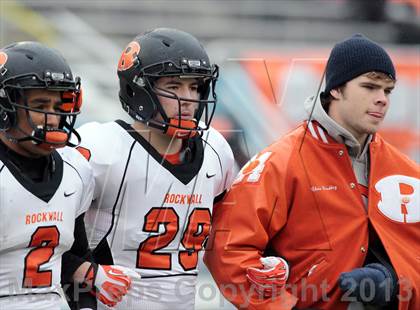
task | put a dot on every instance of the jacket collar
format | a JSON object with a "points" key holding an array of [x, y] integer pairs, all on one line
{"points": [[334, 130]]}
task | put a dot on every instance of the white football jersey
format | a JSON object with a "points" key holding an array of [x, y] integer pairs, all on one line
{"points": [[36, 227], [150, 215]]}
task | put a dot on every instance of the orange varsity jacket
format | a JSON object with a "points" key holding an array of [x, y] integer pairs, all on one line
{"points": [[302, 200]]}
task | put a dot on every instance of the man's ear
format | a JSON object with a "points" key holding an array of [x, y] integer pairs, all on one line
{"points": [[335, 93]]}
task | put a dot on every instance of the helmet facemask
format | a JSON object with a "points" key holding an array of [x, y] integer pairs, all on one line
{"points": [[178, 127]]}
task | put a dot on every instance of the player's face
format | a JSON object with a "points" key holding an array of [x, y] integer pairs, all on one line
{"points": [[184, 89], [45, 100], [361, 105]]}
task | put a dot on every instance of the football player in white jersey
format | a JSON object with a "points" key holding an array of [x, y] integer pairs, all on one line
{"points": [[44, 192], [157, 178]]}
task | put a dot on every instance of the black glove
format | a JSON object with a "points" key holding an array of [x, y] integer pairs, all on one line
{"points": [[373, 284]]}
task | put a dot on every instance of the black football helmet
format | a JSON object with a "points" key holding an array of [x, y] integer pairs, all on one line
{"points": [[31, 65], [165, 52]]}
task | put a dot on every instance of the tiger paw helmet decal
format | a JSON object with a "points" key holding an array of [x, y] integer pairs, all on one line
{"points": [[129, 56], [3, 60]]}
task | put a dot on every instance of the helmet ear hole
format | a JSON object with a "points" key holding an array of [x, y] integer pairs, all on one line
{"points": [[7, 119], [5, 123], [129, 91]]}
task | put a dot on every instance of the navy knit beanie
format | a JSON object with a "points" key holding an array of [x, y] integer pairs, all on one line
{"points": [[353, 57]]}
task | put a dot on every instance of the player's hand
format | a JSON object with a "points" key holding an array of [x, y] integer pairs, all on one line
{"points": [[271, 278], [374, 281], [111, 282]]}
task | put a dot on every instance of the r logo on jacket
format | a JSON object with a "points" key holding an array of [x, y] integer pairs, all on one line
{"points": [[399, 198]]}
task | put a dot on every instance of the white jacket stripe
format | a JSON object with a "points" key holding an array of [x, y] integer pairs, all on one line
{"points": [[312, 130], [322, 134]]}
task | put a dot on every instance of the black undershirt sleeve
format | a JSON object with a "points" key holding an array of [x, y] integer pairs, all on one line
{"points": [[77, 296], [78, 254]]}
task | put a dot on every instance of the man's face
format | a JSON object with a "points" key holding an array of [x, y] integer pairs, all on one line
{"points": [[361, 106], [45, 100], [183, 88]]}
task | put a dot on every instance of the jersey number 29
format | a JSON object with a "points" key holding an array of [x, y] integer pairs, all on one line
{"points": [[196, 232]]}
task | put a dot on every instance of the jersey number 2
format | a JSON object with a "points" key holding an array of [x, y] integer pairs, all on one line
{"points": [[43, 240], [196, 232]]}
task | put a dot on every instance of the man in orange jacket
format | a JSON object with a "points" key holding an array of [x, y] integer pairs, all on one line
{"points": [[331, 200]]}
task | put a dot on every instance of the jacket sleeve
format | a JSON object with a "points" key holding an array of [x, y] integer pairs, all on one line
{"points": [[246, 219]]}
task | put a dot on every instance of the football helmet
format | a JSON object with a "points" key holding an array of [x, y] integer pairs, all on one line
{"points": [[31, 65], [165, 52]]}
